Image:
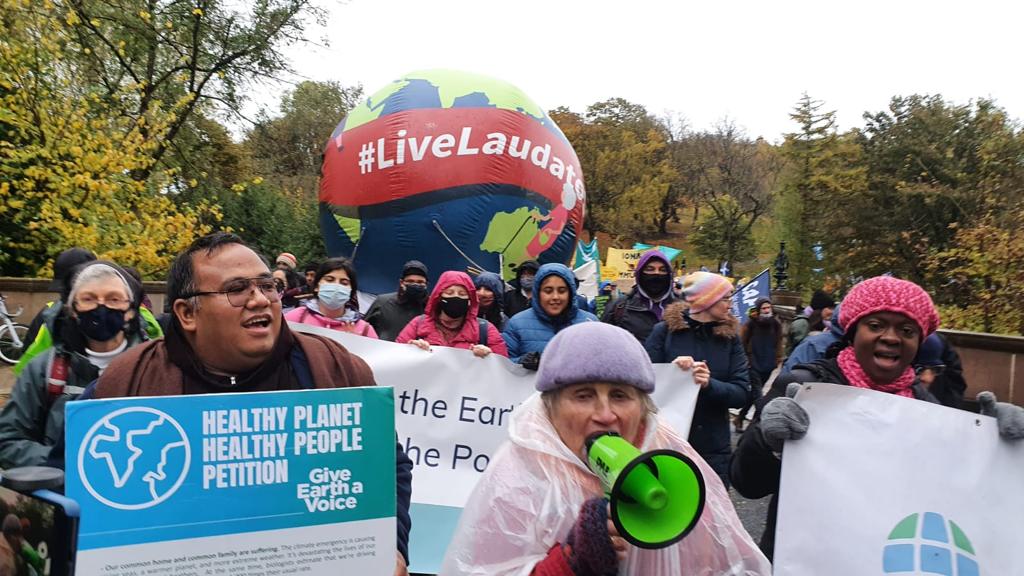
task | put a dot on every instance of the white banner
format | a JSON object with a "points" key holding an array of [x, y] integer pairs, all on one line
{"points": [[589, 279], [889, 485], [452, 410]]}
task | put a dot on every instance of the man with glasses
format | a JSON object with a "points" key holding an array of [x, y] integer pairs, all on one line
{"points": [[227, 335], [99, 322], [393, 311]]}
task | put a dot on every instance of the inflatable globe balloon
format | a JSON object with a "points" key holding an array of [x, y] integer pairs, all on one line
{"points": [[457, 170]]}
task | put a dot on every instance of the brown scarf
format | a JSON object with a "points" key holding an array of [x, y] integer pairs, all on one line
{"points": [[170, 367]]}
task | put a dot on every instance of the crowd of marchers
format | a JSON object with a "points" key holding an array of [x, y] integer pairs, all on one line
{"points": [[537, 509]]}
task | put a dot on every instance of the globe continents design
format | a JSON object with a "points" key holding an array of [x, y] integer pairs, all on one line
{"points": [[454, 169], [134, 458], [928, 543]]}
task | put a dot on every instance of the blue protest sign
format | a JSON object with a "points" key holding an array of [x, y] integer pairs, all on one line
{"points": [[246, 483], [747, 295]]}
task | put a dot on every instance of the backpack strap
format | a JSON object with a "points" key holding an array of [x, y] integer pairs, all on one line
{"points": [[483, 331]]}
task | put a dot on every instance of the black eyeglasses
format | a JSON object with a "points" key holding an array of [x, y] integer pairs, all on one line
{"points": [[936, 369], [239, 291]]}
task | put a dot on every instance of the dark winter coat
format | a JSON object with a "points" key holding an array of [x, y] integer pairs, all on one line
{"points": [[755, 469], [635, 312], [32, 420], [718, 344], [763, 343], [389, 313]]}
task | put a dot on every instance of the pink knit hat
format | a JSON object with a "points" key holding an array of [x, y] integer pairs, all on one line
{"points": [[287, 259], [703, 289], [888, 294]]}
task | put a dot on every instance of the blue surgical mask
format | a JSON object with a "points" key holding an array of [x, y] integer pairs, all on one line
{"points": [[526, 282], [334, 296]]}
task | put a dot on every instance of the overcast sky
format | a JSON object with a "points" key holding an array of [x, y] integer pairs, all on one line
{"points": [[749, 61]]}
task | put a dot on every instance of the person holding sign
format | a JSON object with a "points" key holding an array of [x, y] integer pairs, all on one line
{"points": [[453, 319], [886, 320], [701, 334], [227, 335], [539, 510], [335, 306], [552, 308]]}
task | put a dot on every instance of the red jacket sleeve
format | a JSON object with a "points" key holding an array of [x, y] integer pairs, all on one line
{"points": [[554, 564], [495, 342]]}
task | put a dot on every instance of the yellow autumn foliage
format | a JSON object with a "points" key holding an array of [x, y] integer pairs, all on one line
{"points": [[66, 160]]}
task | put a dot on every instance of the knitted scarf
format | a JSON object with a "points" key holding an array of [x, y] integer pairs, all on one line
{"points": [[858, 378]]}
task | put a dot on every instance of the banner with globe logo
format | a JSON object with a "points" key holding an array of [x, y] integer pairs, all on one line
{"points": [[886, 485], [235, 483]]}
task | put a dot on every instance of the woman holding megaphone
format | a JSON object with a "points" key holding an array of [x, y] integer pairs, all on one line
{"points": [[540, 507]]}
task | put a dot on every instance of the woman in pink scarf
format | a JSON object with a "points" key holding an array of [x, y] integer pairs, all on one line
{"points": [[886, 319]]}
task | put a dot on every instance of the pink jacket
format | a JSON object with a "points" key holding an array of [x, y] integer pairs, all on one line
{"points": [[424, 327], [304, 315]]}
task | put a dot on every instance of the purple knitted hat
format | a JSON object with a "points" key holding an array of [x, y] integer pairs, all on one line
{"points": [[594, 352]]}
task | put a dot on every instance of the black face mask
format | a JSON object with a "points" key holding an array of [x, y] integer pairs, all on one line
{"points": [[414, 292], [101, 324], [455, 307], [655, 285]]}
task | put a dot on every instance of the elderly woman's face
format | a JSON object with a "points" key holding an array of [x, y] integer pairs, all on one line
{"points": [[885, 343], [583, 409]]}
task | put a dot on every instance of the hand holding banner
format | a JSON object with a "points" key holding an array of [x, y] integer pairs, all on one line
{"points": [[883, 484]]}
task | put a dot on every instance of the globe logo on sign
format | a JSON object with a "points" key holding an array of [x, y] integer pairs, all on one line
{"points": [[134, 458], [929, 544]]}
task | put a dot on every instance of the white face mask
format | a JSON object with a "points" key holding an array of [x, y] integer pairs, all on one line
{"points": [[334, 296]]}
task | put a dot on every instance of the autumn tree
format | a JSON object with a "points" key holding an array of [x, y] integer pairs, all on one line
{"points": [[67, 159], [733, 178], [195, 56], [622, 150], [930, 164], [984, 279]]}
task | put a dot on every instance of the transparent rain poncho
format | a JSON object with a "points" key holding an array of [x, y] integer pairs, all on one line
{"points": [[532, 490]]}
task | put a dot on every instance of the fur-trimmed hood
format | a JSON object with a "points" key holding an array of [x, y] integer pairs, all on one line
{"points": [[676, 322]]}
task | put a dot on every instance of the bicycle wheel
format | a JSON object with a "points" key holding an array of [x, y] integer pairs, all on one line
{"points": [[9, 352]]}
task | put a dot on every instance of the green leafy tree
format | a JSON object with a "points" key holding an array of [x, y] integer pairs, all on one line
{"points": [[822, 168], [195, 56], [930, 165]]}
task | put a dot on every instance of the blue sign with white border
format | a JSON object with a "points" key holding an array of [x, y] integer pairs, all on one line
{"points": [[269, 477]]}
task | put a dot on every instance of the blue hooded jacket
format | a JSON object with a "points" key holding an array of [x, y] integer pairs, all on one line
{"points": [[531, 329], [813, 347]]}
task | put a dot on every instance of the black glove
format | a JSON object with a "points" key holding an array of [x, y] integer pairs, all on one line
{"points": [[530, 360], [589, 547]]}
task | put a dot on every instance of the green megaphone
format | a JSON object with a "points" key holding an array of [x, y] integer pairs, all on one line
{"points": [[656, 497]]}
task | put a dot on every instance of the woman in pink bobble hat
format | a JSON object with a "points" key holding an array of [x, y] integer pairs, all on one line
{"points": [[885, 321]]}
